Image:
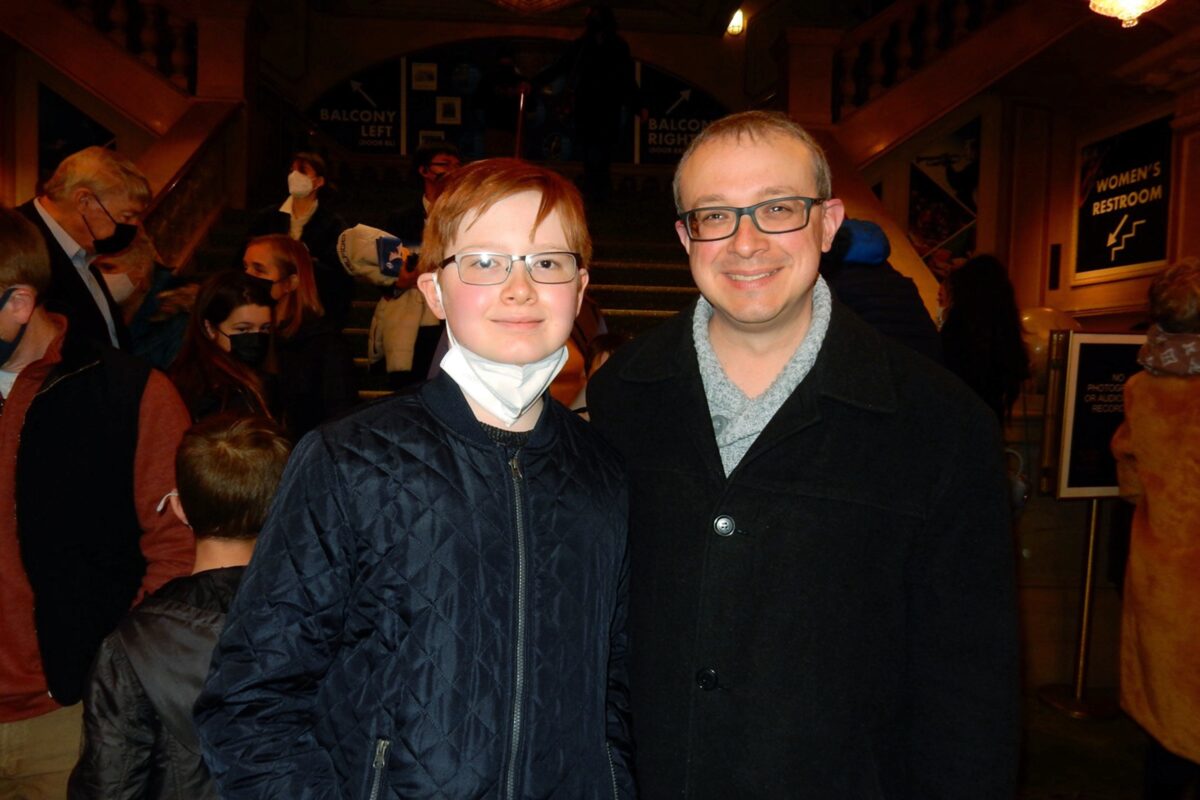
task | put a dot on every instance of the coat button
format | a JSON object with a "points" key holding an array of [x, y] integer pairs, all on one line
{"points": [[724, 525], [706, 679]]}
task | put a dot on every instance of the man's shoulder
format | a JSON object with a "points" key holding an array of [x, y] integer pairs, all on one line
{"points": [[652, 356], [920, 387]]}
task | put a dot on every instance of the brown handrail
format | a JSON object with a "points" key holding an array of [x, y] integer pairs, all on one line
{"points": [[211, 115]]}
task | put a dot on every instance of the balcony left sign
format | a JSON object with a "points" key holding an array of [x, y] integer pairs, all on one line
{"points": [[362, 113]]}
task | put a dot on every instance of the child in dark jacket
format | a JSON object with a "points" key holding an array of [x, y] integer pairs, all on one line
{"points": [[437, 606], [139, 739]]}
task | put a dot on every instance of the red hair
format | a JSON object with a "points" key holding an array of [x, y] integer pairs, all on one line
{"points": [[478, 186]]}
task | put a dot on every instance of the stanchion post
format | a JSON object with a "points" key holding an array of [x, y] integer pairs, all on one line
{"points": [[1071, 700]]}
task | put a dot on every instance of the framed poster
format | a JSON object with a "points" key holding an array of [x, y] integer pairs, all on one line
{"points": [[1098, 364], [449, 111], [1124, 198], [424, 76]]}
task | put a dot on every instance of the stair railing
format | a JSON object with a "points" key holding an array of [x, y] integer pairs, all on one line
{"points": [[900, 40], [152, 30]]}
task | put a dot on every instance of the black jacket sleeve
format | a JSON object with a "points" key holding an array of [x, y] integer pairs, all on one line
{"points": [[121, 732], [962, 649]]}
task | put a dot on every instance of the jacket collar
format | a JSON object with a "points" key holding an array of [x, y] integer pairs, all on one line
{"points": [[852, 366], [447, 403]]}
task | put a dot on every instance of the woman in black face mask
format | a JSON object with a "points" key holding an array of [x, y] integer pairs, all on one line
{"points": [[225, 350]]}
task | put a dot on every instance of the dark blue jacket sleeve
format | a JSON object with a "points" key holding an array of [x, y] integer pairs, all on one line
{"points": [[255, 716]]}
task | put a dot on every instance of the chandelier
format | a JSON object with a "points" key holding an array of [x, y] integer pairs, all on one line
{"points": [[1127, 11]]}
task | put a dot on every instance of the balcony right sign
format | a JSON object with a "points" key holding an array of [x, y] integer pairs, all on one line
{"points": [[1124, 197]]}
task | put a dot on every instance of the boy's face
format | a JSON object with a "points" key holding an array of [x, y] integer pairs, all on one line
{"points": [[518, 321]]}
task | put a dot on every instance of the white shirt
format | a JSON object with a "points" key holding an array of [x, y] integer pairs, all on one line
{"points": [[296, 226], [82, 262], [7, 379]]}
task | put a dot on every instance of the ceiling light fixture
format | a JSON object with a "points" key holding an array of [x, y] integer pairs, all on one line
{"points": [[738, 23], [1127, 11]]}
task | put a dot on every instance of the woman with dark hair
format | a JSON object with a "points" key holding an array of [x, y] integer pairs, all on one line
{"points": [[219, 368], [981, 335], [303, 218], [316, 371]]}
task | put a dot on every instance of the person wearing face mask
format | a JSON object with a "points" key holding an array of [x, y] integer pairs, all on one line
{"points": [[154, 301], [305, 219], [221, 366], [91, 206], [314, 368], [87, 439], [436, 605]]}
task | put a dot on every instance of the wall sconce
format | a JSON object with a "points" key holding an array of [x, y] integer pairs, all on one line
{"points": [[737, 24]]}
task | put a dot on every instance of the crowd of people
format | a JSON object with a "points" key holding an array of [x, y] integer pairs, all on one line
{"points": [[558, 563]]}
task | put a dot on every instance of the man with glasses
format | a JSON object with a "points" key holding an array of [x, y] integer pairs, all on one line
{"points": [[432, 164], [91, 205], [822, 595]]}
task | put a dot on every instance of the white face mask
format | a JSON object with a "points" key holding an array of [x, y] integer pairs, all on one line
{"points": [[299, 184], [120, 285], [506, 391]]}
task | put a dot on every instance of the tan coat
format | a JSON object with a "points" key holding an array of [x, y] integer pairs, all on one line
{"points": [[1158, 461]]}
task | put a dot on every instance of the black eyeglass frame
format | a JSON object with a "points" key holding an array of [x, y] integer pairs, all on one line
{"points": [[513, 258], [750, 211]]}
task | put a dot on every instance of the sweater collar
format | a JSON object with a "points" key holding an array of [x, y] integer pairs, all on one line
{"points": [[851, 367], [446, 402]]}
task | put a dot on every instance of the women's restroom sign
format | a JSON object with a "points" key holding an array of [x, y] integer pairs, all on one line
{"points": [[1124, 196], [1098, 364]]}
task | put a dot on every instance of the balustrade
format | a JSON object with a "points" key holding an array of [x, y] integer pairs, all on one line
{"points": [[160, 38], [905, 37]]}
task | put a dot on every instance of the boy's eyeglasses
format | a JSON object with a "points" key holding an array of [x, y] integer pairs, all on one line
{"points": [[489, 269]]}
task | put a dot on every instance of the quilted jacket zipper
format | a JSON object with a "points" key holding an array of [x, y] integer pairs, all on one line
{"points": [[381, 749], [510, 778], [612, 769]]}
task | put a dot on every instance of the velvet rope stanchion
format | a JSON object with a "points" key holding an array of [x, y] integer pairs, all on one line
{"points": [[1073, 700]]}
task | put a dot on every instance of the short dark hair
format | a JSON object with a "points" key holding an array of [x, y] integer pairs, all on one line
{"points": [[426, 153], [227, 469], [1175, 297]]}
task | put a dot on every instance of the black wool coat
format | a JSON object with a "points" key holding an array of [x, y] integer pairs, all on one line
{"points": [[836, 618]]}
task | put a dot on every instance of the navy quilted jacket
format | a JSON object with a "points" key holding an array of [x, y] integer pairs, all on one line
{"points": [[430, 616]]}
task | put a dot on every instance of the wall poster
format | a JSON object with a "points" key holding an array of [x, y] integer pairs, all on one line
{"points": [[942, 204]]}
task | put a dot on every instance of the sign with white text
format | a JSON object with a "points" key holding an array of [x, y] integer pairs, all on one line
{"points": [[1098, 364], [1124, 195]]}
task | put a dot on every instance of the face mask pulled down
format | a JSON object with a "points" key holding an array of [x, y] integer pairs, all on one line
{"points": [[506, 391]]}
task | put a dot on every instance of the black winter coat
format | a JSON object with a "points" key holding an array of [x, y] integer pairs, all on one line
{"points": [[836, 619], [316, 377], [429, 616], [139, 740]]}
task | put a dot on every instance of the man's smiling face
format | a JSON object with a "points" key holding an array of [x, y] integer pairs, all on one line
{"points": [[756, 282]]}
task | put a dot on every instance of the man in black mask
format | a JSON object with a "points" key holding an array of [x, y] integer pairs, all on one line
{"points": [[90, 206]]}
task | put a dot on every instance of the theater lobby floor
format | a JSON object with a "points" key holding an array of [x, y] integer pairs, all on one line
{"points": [[1066, 759]]}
